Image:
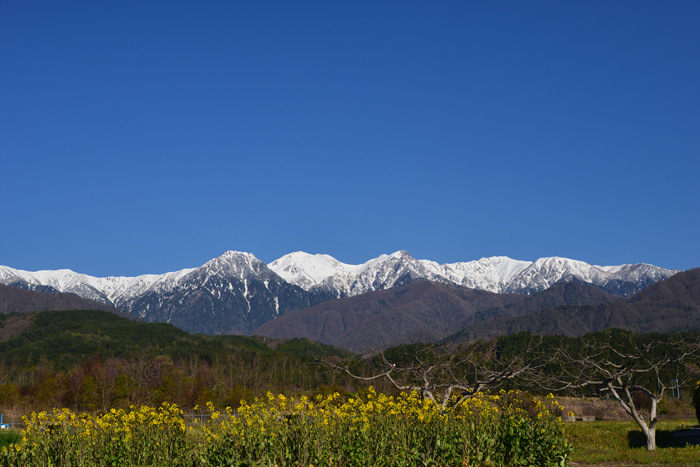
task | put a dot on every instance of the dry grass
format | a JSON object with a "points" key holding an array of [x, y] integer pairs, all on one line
{"points": [[612, 410]]}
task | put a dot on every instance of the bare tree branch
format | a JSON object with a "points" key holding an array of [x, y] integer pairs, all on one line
{"points": [[623, 369], [439, 378]]}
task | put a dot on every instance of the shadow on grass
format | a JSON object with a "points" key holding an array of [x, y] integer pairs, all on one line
{"points": [[664, 439]]}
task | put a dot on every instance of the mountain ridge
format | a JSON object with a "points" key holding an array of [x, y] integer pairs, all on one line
{"points": [[418, 312], [17, 300], [236, 292], [499, 274], [666, 306]]}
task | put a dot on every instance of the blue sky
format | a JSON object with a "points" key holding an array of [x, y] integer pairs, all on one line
{"points": [[144, 137]]}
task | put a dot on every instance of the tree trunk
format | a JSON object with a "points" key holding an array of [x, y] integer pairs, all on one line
{"points": [[650, 434], [629, 406], [651, 437]]}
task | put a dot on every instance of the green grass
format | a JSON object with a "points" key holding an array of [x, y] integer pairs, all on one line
{"points": [[622, 443], [8, 437]]}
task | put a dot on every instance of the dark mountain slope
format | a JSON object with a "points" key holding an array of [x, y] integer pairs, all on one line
{"points": [[232, 294], [15, 300], [422, 311], [683, 287], [561, 293], [577, 321], [667, 306]]}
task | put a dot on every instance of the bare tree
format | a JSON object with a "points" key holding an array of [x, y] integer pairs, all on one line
{"points": [[439, 373], [624, 368]]}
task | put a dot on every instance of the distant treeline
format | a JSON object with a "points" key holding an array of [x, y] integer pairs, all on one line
{"points": [[95, 360]]}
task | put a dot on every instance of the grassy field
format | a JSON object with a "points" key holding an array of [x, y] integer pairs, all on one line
{"points": [[8, 437], [622, 443]]}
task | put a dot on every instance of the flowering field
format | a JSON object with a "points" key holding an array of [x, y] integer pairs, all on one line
{"points": [[365, 430]]}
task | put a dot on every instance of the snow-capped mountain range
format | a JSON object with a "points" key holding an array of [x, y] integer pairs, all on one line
{"points": [[498, 274], [236, 292]]}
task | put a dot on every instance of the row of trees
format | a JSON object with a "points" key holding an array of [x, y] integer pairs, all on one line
{"points": [[97, 384], [633, 370], [617, 364]]}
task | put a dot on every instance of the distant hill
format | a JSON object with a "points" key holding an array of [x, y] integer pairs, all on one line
{"points": [[682, 288], [16, 300], [419, 312], [70, 336], [561, 293], [667, 306]]}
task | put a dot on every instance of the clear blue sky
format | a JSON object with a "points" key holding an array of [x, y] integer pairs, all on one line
{"points": [[143, 137]]}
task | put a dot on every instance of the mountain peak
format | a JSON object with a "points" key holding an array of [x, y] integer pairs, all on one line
{"points": [[235, 263], [400, 254], [306, 269], [559, 260], [233, 254]]}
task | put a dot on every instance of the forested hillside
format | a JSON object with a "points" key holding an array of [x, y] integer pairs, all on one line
{"points": [[96, 359]]}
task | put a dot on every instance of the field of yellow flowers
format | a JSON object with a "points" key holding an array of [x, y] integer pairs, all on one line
{"points": [[371, 429]]}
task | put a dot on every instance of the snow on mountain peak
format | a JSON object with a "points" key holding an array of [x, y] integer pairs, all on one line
{"points": [[492, 273], [324, 273], [498, 274], [235, 263], [233, 255], [544, 272], [307, 270], [400, 254]]}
